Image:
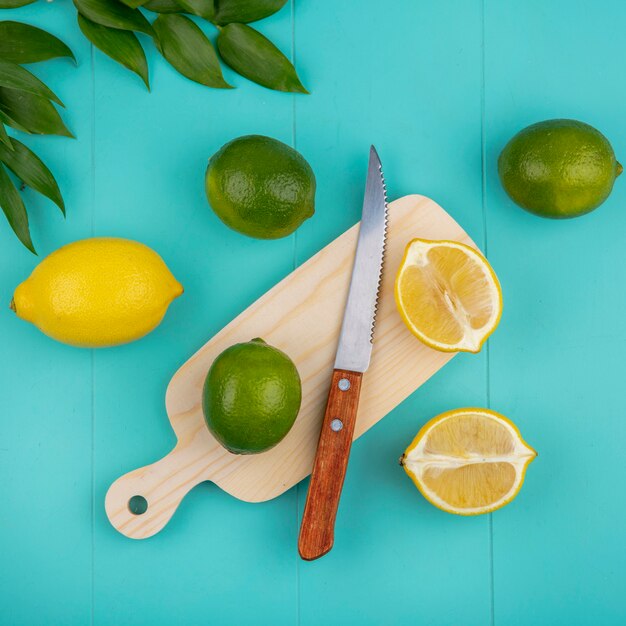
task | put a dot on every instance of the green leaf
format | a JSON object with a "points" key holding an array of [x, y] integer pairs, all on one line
{"points": [[5, 140], [133, 4], [13, 207], [36, 115], [243, 11], [31, 170], [114, 14], [16, 77], [254, 56], [23, 43], [201, 8], [13, 4], [5, 119], [187, 48], [163, 6], [121, 45]]}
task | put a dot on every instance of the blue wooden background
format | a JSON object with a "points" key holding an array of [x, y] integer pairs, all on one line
{"points": [[439, 87]]}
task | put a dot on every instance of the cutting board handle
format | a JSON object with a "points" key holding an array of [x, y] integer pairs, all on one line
{"points": [[139, 504]]}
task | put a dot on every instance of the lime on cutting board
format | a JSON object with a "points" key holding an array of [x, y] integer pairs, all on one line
{"points": [[252, 396]]}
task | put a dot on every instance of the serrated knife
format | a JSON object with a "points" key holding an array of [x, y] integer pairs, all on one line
{"points": [[352, 360]]}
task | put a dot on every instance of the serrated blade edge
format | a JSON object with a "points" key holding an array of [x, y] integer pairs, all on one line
{"points": [[357, 331]]}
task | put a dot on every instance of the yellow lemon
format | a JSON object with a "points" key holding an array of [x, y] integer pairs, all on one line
{"points": [[448, 295], [97, 292], [468, 461]]}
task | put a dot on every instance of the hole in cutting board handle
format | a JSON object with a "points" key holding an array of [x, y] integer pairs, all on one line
{"points": [[137, 505]]}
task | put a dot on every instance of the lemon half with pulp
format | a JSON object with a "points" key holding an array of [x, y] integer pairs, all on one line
{"points": [[448, 295], [468, 461]]}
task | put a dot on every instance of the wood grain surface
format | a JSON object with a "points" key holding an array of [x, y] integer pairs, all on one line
{"points": [[302, 316]]}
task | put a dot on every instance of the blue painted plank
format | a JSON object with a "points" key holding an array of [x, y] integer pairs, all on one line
{"points": [[557, 359], [46, 441]]}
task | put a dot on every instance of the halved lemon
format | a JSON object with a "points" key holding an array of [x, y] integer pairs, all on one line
{"points": [[448, 295], [468, 461]]}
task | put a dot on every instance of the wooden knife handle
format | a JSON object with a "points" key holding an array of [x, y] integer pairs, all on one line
{"points": [[329, 468]]}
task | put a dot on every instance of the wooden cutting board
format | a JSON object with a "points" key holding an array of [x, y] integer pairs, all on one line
{"points": [[302, 316]]}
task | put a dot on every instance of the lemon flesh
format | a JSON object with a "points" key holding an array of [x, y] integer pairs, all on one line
{"points": [[97, 292], [448, 295], [468, 461]]}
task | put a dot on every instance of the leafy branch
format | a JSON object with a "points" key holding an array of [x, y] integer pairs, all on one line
{"points": [[28, 105], [112, 26]]}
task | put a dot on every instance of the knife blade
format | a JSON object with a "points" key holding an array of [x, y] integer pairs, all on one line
{"points": [[355, 341], [352, 360]]}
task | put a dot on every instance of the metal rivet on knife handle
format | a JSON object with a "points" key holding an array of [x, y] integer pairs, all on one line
{"points": [[344, 384], [336, 425]]}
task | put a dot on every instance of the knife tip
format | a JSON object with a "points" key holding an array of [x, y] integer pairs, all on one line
{"points": [[374, 155]]}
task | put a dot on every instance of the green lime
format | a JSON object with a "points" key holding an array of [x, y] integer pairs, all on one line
{"points": [[251, 397], [260, 187], [558, 168]]}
